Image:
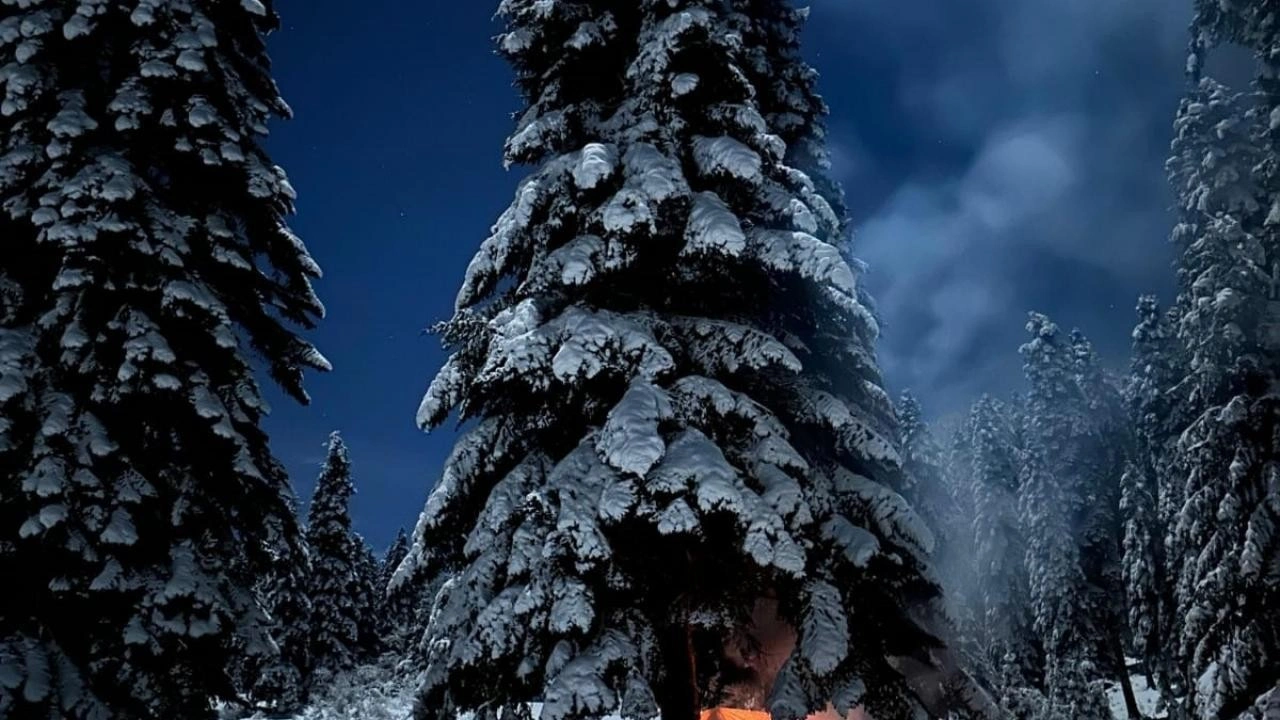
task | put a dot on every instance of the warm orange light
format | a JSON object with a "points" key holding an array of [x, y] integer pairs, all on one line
{"points": [[773, 640], [723, 713], [734, 714]]}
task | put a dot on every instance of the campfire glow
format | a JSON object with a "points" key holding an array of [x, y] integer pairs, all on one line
{"points": [[765, 648]]}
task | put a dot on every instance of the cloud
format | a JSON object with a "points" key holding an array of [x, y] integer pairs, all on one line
{"points": [[1033, 176]]}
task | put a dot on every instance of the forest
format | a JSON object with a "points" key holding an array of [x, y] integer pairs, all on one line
{"points": [[681, 486]]}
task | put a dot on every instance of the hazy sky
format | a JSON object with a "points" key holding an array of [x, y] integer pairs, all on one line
{"points": [[999, 156]]}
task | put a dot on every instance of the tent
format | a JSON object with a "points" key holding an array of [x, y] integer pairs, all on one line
{"points": [[723, 713]]}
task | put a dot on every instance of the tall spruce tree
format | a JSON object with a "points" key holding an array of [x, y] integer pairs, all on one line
{"points": [[1100, 465], [1150, 492], [337, 582], [398, 612], [943, 499], [1008, 639], [396, 553], [924, 484], [1064, 510], [280, 682], [145, 246], [956, 564], [369, 600], [671, 378], [1222, 543]]}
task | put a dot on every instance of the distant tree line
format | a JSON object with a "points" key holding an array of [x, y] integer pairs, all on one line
{"points": [[1097, 517]]}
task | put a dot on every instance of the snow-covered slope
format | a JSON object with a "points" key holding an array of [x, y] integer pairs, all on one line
{"points": [[378, 692], [1148, 699]]}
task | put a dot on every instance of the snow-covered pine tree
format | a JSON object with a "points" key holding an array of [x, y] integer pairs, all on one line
{"points": [[787, 95], [1100, 465], [280, 682], [675, 411], [923, 483], [1069, 598], [943, 499], [1150, 493], [396, 553], [369, 600], [146, 247], [956, 566], [337, 574], [1223, 542], [999, 544], [398, 613]]}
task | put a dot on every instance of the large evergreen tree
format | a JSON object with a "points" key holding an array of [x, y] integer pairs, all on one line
{"points": [[280, 682], [924, 481], [337, 585], [675, 405], [369, 600], [1000, 546], [943, 498], [398, 613], [1222, 544], [1067, 511], [1150, 492], [145, 248]]}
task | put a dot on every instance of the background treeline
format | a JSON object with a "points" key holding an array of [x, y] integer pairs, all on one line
{"points": [[1098, 516], [330, 603]]}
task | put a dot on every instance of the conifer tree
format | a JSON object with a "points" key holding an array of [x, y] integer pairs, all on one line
{"points": [[674, 399], [787, 95], [1063, 508], [1000, 547], [1150, 491], [399, 609], [924, 485], [1222, 543], [146, 253], [369, 600], [281, 681], [1100, 465], [396, 553], [335, 585], [957, 564], [943, 500]]}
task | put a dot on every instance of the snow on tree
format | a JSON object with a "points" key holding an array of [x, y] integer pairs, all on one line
{"points": [[398, 609], [340, 584], [1008, 638], [369, 598], [1068, 510], [672, 402], [924, 483], [787, 95], [1150, 492], [1226, 584], [396, 553], [138, 498], [1224, 241], [281, 681], [1222, 543], [941, 491], [1266, 707]]}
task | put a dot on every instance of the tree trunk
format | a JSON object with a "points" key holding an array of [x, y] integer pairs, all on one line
{"points": [[677, 696], [1126, 683]]}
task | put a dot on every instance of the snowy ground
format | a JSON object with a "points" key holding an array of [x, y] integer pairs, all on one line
{"points": [[370, 692], [374, 693], [1147, 696]]}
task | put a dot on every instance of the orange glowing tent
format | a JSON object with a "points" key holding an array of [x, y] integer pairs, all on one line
{"points": [[723, 713]]}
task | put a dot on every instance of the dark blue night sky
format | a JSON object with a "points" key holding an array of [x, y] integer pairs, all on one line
{"points": [[999, 156]]}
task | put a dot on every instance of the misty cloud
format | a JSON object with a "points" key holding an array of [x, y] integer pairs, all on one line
{"points": [[1057, 120]]}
